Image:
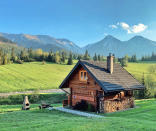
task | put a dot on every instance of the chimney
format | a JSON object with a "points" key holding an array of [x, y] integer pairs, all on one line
{"points": [[110, 63]]}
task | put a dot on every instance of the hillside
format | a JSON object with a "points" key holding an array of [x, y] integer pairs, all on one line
{"points": [[44, 42], [32, 76], [137, 45], [7, 45], [141, 118]]}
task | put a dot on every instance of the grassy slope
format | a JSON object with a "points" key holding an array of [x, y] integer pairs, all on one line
{"points": [[139, 119], [31, 76], [137, 69]]}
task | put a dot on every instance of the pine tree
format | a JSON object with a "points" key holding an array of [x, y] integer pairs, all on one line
{"points": [[49, 58], [86, 56], [57, 58], [95, 57], [22, 55], [30, 53], [99, 58], [63, 57], [70, 59], [124, 61], [141, 93], [5, 59], [13, 57], [79, 57]]}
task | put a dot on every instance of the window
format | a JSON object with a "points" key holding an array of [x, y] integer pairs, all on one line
{"points": [[83, 76]]}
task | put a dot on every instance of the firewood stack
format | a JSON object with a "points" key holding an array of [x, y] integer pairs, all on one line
{"points": [[26, 104], [116, 105]]}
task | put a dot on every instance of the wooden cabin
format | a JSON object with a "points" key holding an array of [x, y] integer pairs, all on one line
{"points": [[106, 86]]}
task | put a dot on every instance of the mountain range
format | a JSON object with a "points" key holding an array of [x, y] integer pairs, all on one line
{"points": [[137, 45], [44, 42]]}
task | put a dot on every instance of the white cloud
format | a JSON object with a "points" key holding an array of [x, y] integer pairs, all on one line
{"points": [[113, 26], [139, 28], [130, 29], [124, 25]]}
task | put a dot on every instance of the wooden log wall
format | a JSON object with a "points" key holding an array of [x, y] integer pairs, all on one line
{"points": [[83, 90]]}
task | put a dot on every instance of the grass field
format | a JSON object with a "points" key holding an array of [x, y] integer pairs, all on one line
{"points": [[32, 76], [142, 118], [35, 75], [137, 69]]}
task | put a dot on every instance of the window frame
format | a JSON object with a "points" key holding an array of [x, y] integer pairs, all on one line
{"points": [[83, 78]]}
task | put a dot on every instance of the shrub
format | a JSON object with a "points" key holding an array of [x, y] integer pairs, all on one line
{"points": [[91, 108], [33, 98], [19, 61]]}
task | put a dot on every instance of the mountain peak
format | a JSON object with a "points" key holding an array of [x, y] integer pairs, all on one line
{"points": [[137, 37], [110, 38]]}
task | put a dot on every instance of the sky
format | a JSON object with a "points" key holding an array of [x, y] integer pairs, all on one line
{"points": [[81, 21]]}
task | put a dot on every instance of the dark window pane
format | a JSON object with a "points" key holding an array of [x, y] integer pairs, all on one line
{"points": [[85, 75], [81, 75]]}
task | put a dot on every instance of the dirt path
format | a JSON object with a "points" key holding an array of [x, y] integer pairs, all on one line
{"points": [[29, 92], [78, 112]]}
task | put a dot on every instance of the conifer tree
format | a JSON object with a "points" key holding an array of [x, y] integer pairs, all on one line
{"points": [[95, 57], [22, 55], [63, 57], [86, 56], [13, 57], [70, 59], [99, 58], [57, 58], [141, 93], [30, 53], [5, 59]]}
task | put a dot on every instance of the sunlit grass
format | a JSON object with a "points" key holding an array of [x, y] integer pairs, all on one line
{"points": [[142, 118], [32, 76]]}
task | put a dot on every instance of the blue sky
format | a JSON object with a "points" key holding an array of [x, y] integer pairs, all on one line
{"points": [[81, 21]]}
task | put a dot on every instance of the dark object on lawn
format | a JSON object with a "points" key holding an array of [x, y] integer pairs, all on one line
{"points": [[83, 105], [42, 106], [26, 104]]}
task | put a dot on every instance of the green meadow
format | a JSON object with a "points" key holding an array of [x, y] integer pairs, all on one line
{"points": [[39, 76], [142, 118], [137, 69], [32, 76]]}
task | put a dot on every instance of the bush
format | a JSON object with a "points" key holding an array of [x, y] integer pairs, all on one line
{"points": [[84, 106], [33, 98], [91, 108], [19, 61]]}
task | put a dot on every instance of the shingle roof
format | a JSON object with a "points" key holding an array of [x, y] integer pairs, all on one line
{"points": [[120, 79]]}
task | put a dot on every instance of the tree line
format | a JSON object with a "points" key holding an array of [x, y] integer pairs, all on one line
{"points": [[149, 58], [30, 55]]}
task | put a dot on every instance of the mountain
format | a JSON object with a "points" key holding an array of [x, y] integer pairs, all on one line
{"points": [[137, 45], [5, 40], [44, 42], [7, 45]]}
